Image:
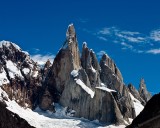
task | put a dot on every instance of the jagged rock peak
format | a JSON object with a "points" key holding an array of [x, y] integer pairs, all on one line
{"points": [[70, 31], [143, 90], [9, 44], [107, 62], [84, 45], [142, 84], [135, 93], [105, 56]]}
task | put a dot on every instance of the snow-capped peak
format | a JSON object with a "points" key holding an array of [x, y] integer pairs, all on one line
{"points": [[8, 44]]}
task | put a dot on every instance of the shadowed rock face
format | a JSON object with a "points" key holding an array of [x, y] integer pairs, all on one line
{"points": [[23, 75], [11, 120], [150, 116]]}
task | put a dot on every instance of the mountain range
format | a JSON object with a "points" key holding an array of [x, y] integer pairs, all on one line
{"points": [[73, 86]]}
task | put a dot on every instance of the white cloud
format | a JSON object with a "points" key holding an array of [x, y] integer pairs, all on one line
{"points": [[130, 33], [122, 35], [130, 38], [102, 38], [105, 31], [154, 51], [41, 59], [155, 35], [126, 45]]}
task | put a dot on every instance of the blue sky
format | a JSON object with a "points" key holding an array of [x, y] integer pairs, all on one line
{"points": [[127, 30]]}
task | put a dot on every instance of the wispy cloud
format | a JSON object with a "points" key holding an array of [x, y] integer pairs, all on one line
{"points": [[129, 40], [155, 35], [102, 38], [127, 46], [130, 33], [105, 31], [122, 35], [35, 50], [154, 51], [41, 59]]}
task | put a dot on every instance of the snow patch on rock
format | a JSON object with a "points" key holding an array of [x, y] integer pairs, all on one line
{"points": [[26, 71], [106, 89], [74, 73], [13, 70], [87, 89]]}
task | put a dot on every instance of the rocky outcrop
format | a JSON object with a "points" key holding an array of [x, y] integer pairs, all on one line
{"points": [[99, 104], [20, 75], [90, 64], [150, 116], [136, 94], [112, 78], [143, 91]]}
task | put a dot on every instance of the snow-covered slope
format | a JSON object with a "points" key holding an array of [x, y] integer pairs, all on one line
{"points": [[3, 77], [47, 119], [137, 105]]}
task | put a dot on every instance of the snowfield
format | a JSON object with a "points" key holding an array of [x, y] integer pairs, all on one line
{"points": [[47, 119], [137, 105]]}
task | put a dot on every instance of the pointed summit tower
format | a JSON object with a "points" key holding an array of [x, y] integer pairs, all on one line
{"points": [[143, 90], [71, 31], [67, 60], [71, 44]]}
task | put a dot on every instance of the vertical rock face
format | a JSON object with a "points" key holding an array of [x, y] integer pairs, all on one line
{"points": [[90, 64], [112, 78], [67, 59], [72, 45], [143, 91]]}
